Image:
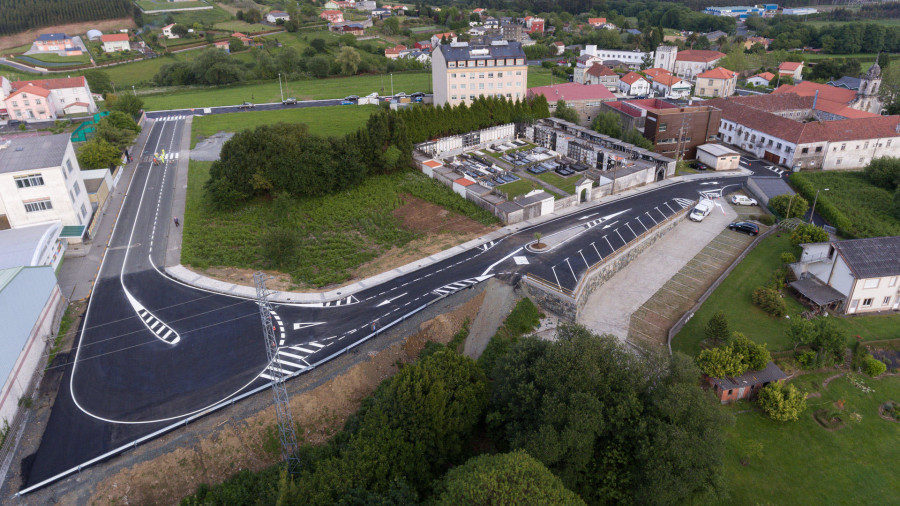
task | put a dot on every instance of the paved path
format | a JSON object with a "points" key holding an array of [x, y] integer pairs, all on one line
{"points": [[499, 300]]}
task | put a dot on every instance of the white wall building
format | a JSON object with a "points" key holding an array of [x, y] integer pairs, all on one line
{"points": [[633, 84], [68, 95], [460, 73], [40, 181], [633, 59]]}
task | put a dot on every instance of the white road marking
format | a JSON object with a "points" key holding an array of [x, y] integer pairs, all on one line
{"points": [[388, 301], [588, 216], [490, 267], [303, 325], [304, 350], [520, 260]]}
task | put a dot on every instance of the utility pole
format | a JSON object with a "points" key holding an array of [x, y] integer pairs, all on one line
{"points": [[811, 213], [286, 432], [392, 84], [280, 90]]}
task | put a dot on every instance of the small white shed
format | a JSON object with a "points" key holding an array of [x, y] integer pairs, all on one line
{"points": [[718, 157]]}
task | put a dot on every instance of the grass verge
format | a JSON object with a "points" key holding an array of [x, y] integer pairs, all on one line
{"points": [[65, 324], [336, 233], [325, 121], [516, 188], [803, 463], [520, 321], [733, 297]]}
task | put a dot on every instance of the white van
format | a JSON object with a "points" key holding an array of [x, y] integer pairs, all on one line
{"points": [[701, 210]]}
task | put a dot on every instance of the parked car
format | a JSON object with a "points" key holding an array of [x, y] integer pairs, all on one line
{"points": [[352, 98], [247, 105], [742, 200], [745, 227], [289, 101], [701, 210], [698, 166], [347, 102], [418, 94]]}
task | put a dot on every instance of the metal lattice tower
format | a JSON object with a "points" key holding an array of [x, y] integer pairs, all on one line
{"points": [[286, 431]]}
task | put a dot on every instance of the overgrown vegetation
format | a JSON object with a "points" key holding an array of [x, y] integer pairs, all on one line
{"points": [[524, 317], [854, 204]]}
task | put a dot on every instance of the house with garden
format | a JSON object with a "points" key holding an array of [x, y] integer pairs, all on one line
{"points": [[54, 42]]}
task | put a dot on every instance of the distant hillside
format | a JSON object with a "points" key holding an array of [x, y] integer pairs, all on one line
{"points": [[20, 15]]}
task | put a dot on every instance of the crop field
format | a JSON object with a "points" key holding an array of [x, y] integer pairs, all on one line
{"points": [[325, 121], [155, 5], [337, 233]]}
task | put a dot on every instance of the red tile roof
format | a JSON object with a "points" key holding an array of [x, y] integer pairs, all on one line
{"points": [[53, 84], [572, 91], [667, 80], [596, 21], [600, 70], [768, 76], [718, 73], [699, 55], [432, 163], [789, 66], [464, 182], [656, 72], [809, 89], [631, 78], [31, 90], [114, 37]]}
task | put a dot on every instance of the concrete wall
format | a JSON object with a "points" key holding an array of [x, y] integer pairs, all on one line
{"points": [[552, 300]]}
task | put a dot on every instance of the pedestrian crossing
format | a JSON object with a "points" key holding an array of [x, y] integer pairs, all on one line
{"points": [[684, 202], [346, 301], [457, 286], [172, 118], [290, 360], [159, 328], [776, 170], [486, 246]]}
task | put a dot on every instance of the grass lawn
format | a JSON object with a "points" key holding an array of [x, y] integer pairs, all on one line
{"points": [[55, 58], [242, 26], [338, 232], [803, 463], [566, 184], [327, 121], [516, 188], [17, 49], [868, 207], [336, 87], [733, 297], [155, 5], [539, 76], [207, 16]]}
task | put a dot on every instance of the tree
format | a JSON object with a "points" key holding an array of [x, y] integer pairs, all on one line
{"points": [[180, 30], [717, 328], [607, 123], [795, 204], [755, 356], [319, 66], [505, 479], [391, 26], [890, 88], [770, 301], [565, 112], [127, 103], [235, 45], [808, 233], [612, 426], [118, 129], [721, 362], [633, 136], [98, 154], [884, 172], [802, 332], [783, 403], [98, 81], [349, 60], [318, 44], [252, 15]]}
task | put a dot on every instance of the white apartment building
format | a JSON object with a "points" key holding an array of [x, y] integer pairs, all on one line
{"points": [[69, 95], [634, 59], [460, 73], [40, 182]]}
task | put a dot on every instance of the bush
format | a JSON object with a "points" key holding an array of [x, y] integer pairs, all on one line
{"points": [[806, 359], [788, 258], [767, 219], [795, 204], [884, 172], [783, 403], [874, 367], [808, 233], [721, 362], [770, 301], [824, 207]]}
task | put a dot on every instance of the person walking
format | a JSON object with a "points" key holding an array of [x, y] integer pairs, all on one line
{"points": [[176, 221]]}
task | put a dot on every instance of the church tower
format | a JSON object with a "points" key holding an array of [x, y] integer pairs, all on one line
{"points": [[867, 98], [665, 57]]}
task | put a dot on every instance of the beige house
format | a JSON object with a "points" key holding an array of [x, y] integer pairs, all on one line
{"points": [[718, 82], [791, 69], [460, 73], [851, 277], [601, 74]]}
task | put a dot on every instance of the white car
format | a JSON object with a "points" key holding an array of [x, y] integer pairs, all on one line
{"points": [[701, 210], [741, 200]]}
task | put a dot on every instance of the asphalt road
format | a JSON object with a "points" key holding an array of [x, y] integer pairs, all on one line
{"points": [[200, 111], [153, 351], [764, 168]]}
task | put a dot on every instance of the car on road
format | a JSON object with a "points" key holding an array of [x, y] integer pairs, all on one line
{"points": [[745, 227], [742, 200], [352, 98], [247, 105], [701, 210], [289, 101], [347, 102]]}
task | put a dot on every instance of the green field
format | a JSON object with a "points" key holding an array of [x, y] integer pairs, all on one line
{"points": [[733, 297], [869, 208], [17, 49], [516, 188], [340, 232], [326, 121], [803, 463], [206, 16], [55, 58], [155, 5], [566, 184], [242, 26]]}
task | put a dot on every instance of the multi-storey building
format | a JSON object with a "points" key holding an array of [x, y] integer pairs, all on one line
{"points": [[30, 103], [631, 59], [586, 99], [460, 73], [69, 95], [54, 42], [718, 82], [677, 131]]}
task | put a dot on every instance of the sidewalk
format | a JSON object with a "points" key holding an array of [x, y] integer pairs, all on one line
{"points": [[77, 275], [186, 276]]}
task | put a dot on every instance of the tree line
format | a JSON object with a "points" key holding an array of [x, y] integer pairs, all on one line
{"points": [[788, 32], [20, 15], [287, 159]]}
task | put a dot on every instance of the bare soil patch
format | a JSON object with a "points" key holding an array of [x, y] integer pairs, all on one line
{"points": [[422, 216], [279, 281], [238, 444], [106, 25]]}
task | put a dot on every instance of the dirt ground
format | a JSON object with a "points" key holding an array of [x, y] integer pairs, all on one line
{"points": [[106, 25]]}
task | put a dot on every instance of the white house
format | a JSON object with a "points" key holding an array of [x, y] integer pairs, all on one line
{"points": [[853, 276], [761, 79], [167, 31], [69, 95], [633, 59], [791, 69], [40, 182], [113, 42], [436, 38], [633, 84], [671, 86], [274, 16]]}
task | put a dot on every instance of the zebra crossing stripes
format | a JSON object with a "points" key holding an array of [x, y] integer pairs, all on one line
{"points": [[278, 325], [486, 246], [290, 360], [346, 301], [172, 118], [684, 202], [459, 285], [776, 170], [160, 329]]}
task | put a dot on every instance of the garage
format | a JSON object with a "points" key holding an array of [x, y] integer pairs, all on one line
{"points": [[718, 157]]}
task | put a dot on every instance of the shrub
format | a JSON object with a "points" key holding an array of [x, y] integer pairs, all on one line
{"points": [[874, 367], [721, 362], [807, 233], [788, 258], [824, 206], [767, 219], [770, 301], [754, 356], [783, 403], [806, 359], [884, 172], [795, 204]]}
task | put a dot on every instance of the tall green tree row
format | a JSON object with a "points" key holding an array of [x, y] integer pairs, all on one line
{"points": [[20, 15]]}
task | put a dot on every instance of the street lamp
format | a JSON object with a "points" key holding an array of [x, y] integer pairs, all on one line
{"points": [[790, 203], [811, 213]]}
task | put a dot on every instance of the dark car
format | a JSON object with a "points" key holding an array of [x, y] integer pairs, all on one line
{"points": [[745, 227], [418, 94], [698, 166]]}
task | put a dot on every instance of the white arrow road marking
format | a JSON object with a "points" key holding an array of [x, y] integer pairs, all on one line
{"points": [[609, 225], [303, 325], [391, 300], [711, 182], [490, 267], [594, 223], [588, 216]]}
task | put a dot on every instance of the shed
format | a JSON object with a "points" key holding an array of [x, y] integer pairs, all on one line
{"points": [[747, 384], [459, 186], [94, 34], [718, 157], [428, 167]]}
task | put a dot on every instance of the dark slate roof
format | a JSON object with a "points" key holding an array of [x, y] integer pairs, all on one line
{"points": [[816, 291], [52, 36], [772, 186], [850, 83], [873, 257], [457, 52], [32, 153], [751, 378]]}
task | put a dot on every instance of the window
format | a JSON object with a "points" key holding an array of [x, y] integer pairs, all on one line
{"points": [[29, 181], [453, 97], [663, 126], [818, 149], [871, 283], [519, 72], [499, 86], [499, 74], [839, 160], [860, 159], [453, 76], [805, 151], [843, 146], [490, 75], [481, 76], [26, 102], [33, 206], [76, 189], [83, 211], [69, 166], [710, 82], [15, 103], [867, 302], [886, 301], [888, 142], [779, 145], [37, 101], [893, 281], [480, 86]]}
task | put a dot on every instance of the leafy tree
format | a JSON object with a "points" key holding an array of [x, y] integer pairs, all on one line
{"points": [[783, 403], [873, 366], [127, 103], [717, 328], [897, 203], [349, 60], [98, 154], [884, 172], [770, 301], [802, 332], [565, 112], [318, 44], [755, 356], [98, 81], [721, 362], [808, 233], [319, 66], [633, 136], [391, 26], [607, 123], [252, 15], [505, 479], [795, 204], [612, 426], [180, 30], [236, 45], [829, 340]]}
